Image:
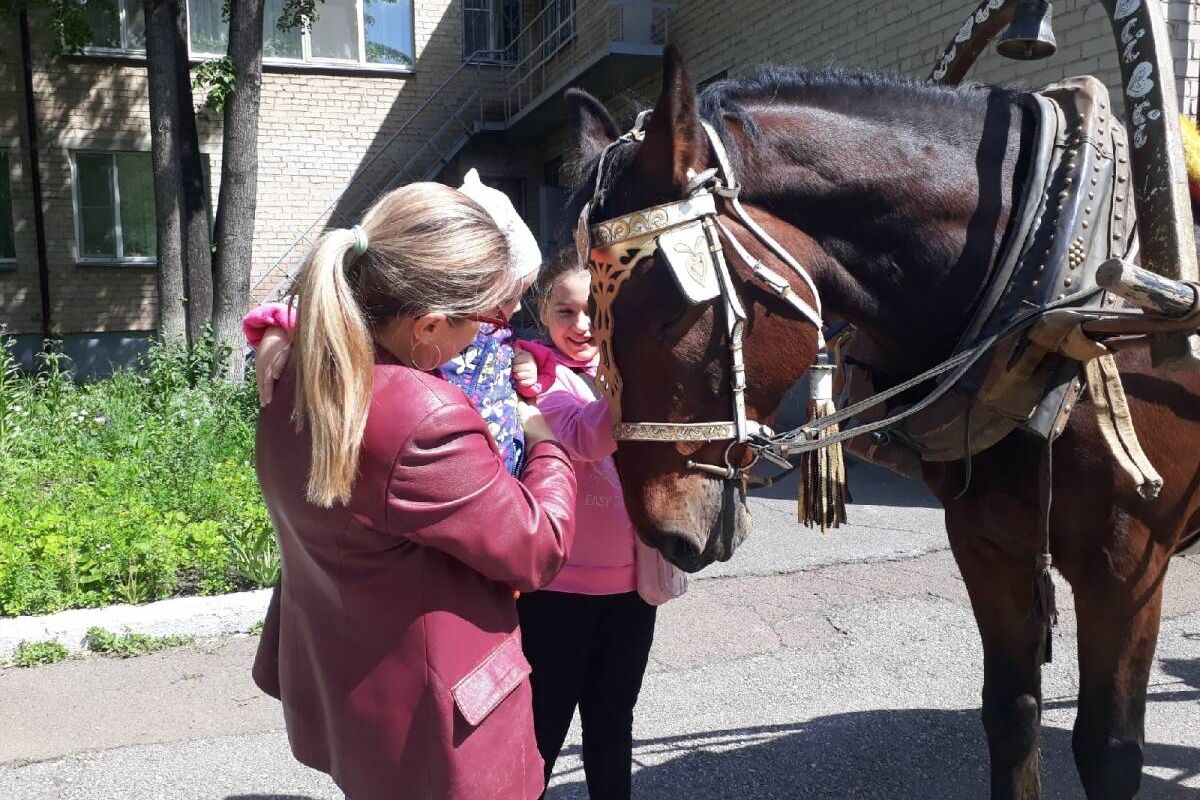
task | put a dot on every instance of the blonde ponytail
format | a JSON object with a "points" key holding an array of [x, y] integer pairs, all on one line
{"points": [[334, 357], [431, 249]]}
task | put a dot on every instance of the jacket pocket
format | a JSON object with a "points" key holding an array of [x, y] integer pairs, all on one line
{"points": [[482, 689]]}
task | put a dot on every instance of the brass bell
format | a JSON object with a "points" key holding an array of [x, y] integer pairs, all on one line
{"points": [[1030, 35]]}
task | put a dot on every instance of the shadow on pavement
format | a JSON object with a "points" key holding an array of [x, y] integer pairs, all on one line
{"points": [[906, 754], [1186, 670], [869, 485]]}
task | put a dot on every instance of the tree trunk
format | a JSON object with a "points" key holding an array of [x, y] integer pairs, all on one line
{"points": [[197, 250], [239, 181], [164, 106]]}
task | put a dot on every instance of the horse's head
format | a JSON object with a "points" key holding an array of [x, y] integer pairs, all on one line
{"points": [[673, 354]]}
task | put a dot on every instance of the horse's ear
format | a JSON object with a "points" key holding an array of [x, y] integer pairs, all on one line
{"points": [[674, 140], [592, 127]]}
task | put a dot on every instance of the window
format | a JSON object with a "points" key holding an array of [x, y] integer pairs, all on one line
{"points": [[117, 25], [366, 33], [114, 208], [493, 26], [8, 242], [558, 25]]}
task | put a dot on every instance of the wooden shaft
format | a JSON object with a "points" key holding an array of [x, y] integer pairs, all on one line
{"points": [[1146, 289]]}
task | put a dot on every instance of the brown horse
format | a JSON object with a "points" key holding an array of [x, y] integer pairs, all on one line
{"points": [[896, 197]]}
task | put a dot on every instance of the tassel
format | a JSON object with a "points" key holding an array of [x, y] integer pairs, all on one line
{"points": [[1045, 605], [822, 490]]}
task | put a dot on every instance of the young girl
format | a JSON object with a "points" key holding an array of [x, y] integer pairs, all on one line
{"points": [[587, 635], [482, 371]]}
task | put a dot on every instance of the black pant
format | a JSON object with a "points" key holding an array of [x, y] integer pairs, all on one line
{"points": [[590, 651]]}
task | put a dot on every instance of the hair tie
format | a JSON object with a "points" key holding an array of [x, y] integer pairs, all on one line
{"points": [[360, 240]]}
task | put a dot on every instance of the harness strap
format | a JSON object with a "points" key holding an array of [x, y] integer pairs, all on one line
{"points": [[780, 286], [730, 190], [801, 439], [1116, 425]]}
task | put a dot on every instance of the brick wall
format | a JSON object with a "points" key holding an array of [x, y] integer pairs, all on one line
{"points": [[318, 128]]}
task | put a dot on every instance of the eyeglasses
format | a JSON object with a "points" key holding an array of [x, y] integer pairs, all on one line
{"points": [[499, 320]]}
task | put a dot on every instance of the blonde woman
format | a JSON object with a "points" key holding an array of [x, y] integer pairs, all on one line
{"points": [[393, 643]]}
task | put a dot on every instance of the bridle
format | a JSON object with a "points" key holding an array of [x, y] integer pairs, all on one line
{"points": [[688, 235]]}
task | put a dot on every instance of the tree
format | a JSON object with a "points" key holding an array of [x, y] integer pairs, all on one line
{"points": [[161, 19], [234, 85], [197, 251], [184, 240], [239, 180]]}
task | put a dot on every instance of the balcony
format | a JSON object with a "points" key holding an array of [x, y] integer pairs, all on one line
{"points": [[600, 46]]}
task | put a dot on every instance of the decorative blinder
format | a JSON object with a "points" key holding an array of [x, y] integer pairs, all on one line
{"points": [[686, 251]]}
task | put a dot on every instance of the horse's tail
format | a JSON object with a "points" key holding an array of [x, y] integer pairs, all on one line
{"points": [[1191, 155]]}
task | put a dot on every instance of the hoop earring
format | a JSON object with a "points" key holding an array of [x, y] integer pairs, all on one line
{"points": [[437, 362]]}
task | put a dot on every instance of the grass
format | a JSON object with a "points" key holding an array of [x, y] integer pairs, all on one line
{"points": [[128, 645], [36, 654], [133, 488]]}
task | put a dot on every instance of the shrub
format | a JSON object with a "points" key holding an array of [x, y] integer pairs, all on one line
{"points": [[36, 654], [132, 488]]}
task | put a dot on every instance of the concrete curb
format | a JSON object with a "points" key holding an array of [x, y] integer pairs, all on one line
{"points": [[182, 616]]}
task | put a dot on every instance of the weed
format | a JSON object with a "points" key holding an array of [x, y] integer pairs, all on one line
{"points": [[129, 489], [36, 654], [127, 645]]}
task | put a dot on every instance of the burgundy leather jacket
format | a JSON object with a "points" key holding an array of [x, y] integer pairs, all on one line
{"points": [[392, 640]]}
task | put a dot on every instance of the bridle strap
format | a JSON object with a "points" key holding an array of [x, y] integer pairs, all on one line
{"points": [[635, 229]]}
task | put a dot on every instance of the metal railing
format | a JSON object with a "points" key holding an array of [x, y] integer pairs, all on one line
{"points": [[555, 45]]}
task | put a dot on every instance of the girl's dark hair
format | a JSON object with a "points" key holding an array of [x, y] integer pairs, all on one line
{"points": [[561, 265]]}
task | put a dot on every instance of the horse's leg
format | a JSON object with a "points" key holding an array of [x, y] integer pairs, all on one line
{"points": [[1118, 610], [1001, 589]]}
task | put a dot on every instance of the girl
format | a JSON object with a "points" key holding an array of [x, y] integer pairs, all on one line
{"points": [[588, 634], [392, 640]]}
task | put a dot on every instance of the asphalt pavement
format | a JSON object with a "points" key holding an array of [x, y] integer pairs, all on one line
{"points": [[844, 665]]}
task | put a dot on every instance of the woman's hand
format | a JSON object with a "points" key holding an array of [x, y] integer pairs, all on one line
{"points": [[535, 425], [524, 369], [272, 357]]}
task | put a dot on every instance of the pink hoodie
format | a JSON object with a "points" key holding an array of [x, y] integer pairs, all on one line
{"points": [[603, 558]]}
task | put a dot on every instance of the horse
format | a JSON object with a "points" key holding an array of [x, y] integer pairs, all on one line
{"points": [[896, 197]]}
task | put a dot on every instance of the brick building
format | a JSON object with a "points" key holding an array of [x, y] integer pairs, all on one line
{"points": [[382, 92]]}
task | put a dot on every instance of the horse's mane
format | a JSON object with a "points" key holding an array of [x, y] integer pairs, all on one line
{"points": [[872, 92], [730, 100]]}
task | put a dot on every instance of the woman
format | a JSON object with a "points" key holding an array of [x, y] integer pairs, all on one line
{"points": [[394, 644]]}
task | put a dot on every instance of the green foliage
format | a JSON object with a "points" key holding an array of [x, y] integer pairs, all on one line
{"points": [[127, 645], [297, 15], [69, 22], [257, 628], [129, 489], [216, 78], [36, 654]]}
